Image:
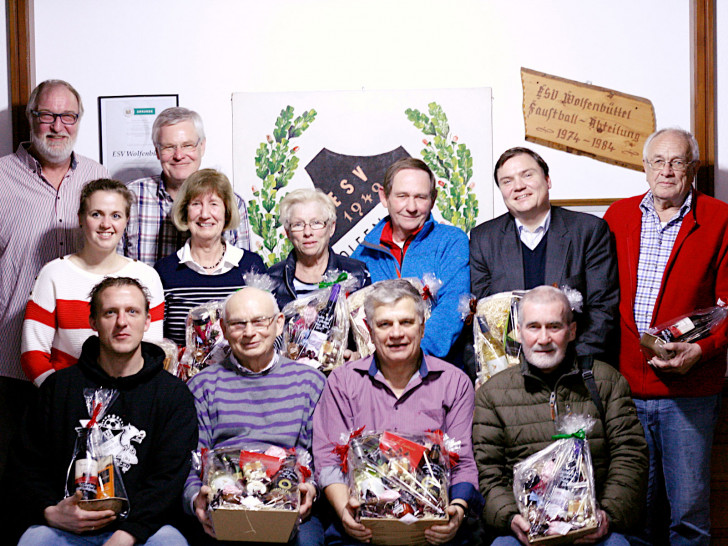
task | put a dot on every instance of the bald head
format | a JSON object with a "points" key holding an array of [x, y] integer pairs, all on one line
{"points": [[251, 322], [261, 296]]}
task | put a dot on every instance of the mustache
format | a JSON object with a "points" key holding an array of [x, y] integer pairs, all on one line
{"points": [[547, 347]]}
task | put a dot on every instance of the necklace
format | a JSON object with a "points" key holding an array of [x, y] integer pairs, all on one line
{"points": [[209, 267]]}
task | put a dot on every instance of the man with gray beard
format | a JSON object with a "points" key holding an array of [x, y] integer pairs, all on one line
{"points": [[517, 412], [41, 185]]}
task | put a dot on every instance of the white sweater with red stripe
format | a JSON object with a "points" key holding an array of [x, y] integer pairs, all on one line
{"points": [[56, 317]]}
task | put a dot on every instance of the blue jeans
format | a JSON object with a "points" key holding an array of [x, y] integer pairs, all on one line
{"points": [[41, 534], [679, 434], [613, 539]]}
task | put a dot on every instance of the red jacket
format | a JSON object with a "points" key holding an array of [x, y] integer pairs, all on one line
{"points": [[695, 277]]}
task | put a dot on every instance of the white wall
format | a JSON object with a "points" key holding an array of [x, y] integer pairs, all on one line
{"points": [[205, 51], [6, 128], [721, 167]]}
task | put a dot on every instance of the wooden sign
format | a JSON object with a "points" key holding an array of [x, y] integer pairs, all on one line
{"points": [[585, 119]]}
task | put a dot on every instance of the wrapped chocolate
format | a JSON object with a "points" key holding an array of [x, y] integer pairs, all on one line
{"points": [[554, 488], [93, 470], [494, 334], [205, 343], [427, 287], [317, 325], [399, 478], [687, 328]]}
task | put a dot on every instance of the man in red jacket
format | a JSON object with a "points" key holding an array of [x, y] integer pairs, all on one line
{"points": [[672, 250]]}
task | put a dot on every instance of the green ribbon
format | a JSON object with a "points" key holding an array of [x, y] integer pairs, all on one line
{"points": [[578, 434], [342, 277]]}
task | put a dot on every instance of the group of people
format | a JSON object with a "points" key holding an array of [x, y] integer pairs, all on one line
{"points": [[151, 250]]}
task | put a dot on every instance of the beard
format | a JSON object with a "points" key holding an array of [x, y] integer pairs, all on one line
{"points": [[50, 152], [544, 360]]}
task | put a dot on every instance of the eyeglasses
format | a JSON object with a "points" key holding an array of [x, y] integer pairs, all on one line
{"points": [[170, 149], [315, 225], [677, 165], [44, 116], [258, 323]]}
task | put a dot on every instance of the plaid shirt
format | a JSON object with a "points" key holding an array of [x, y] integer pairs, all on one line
{"points": [[656, 244], [150, 234]]}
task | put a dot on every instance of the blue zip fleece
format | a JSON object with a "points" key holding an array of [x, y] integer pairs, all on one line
{"points": [[440, 249]]}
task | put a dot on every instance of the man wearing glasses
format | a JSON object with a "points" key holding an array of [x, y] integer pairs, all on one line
{"points": [[179, 140], [41, 186], [672, 250], [255, 398]]}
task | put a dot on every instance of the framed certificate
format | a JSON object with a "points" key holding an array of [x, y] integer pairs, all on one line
{"points": [[125, 134]]}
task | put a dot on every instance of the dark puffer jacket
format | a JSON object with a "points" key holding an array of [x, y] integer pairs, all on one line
{"points": [[513, 421], [284, 272]]}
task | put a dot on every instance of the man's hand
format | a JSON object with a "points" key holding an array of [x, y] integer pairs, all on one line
{"points": [[121, 538], [200, 505], [520, 528], [440, 534], [308, 493], [67, 515], [601, 531], [351, 526], [350, 355], [686, 356]]}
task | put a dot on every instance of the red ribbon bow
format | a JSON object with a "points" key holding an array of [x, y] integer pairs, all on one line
{"points": [[472, 308], [438, 437], [426, 294], [342, 450]]}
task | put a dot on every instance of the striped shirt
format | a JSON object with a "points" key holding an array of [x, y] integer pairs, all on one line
{"points": [[185, 288], [37, 224], [150, 234], [56, 318], [237, 407], [656, 242]]}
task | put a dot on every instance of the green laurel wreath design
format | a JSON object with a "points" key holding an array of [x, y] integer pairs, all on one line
{"points": [[275, 164], [452, 164]]}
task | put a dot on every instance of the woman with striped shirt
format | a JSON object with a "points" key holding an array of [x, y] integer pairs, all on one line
{"points": [[56, 317], [206, 268]]}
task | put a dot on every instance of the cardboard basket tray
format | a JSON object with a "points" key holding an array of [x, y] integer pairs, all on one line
{"points": [[392, 532]]}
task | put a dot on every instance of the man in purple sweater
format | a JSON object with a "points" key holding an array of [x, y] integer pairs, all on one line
{"points": [[254, 398]]}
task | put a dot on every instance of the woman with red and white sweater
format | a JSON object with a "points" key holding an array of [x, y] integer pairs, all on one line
{"points": [[56, 317]]}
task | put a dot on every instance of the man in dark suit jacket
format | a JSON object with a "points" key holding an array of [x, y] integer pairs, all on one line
{"points": [[536, 243]]}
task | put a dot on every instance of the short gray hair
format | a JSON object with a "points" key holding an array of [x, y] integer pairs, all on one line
{"points": [[546, 294], [173, 116], [46, 85], [306, 196], [390, 291], [687, 135]]}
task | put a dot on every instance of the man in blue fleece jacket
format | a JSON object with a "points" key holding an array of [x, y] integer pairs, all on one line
{"points": [[410, 243]]}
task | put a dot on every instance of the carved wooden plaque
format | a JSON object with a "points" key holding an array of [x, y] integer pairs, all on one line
{"points": [[585, 119]]}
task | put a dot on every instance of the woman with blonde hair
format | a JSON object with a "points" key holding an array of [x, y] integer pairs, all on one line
{"points": [[206, 267]]}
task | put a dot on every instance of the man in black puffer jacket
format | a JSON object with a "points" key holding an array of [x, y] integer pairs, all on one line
{"points": [[517, 410]]}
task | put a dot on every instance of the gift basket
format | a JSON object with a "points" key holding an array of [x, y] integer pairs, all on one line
{"points": [[93, 471], [205, 343], [554, 488], [687, 328], [494, 333], [427, 287], [254, 493], [171, 359], [317, 325]]}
